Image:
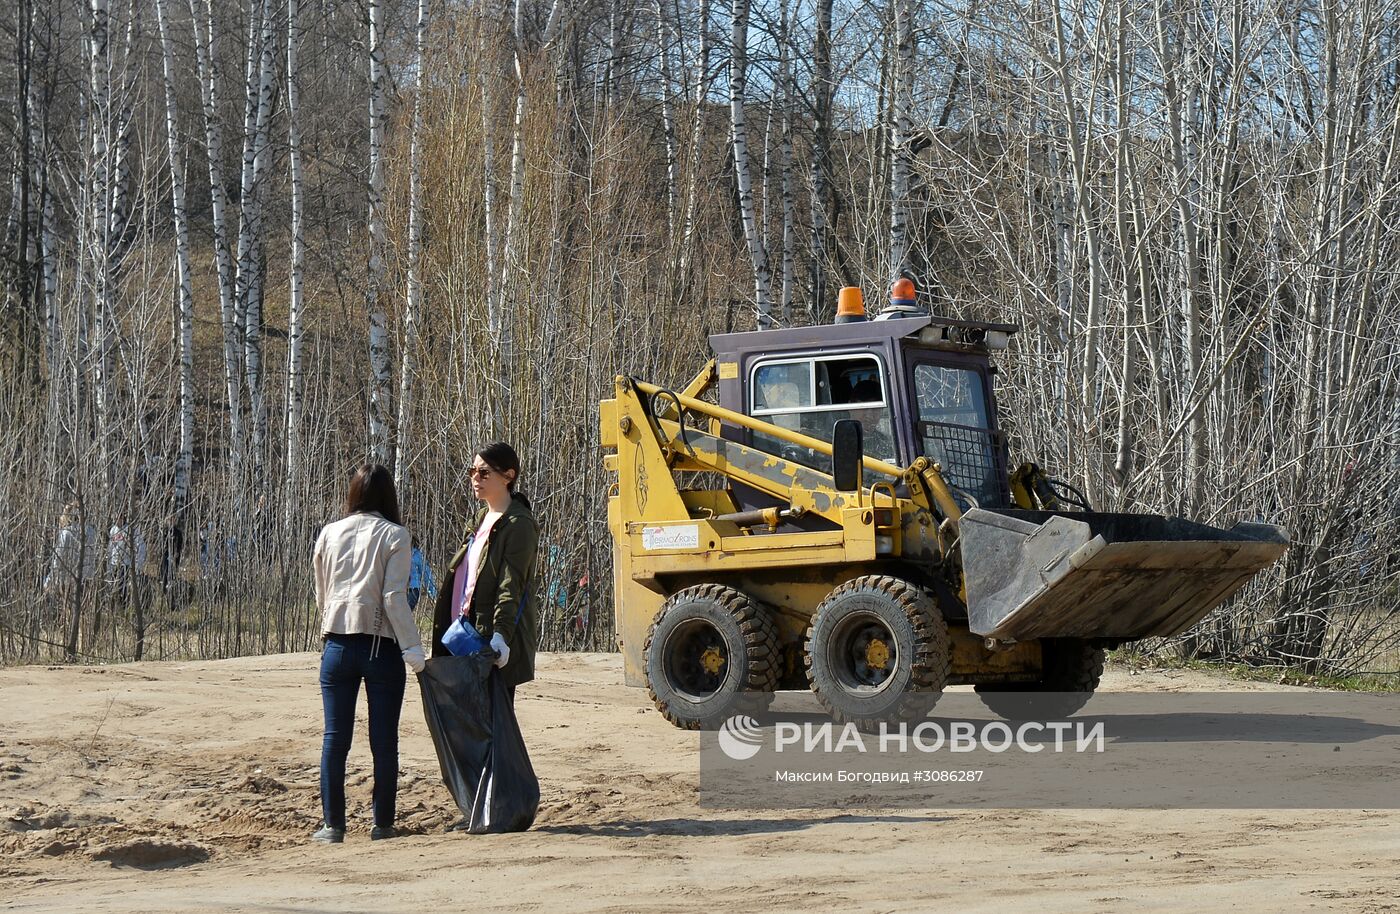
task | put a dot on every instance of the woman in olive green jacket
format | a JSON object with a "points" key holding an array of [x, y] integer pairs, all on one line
{"points": [[491, 579]]}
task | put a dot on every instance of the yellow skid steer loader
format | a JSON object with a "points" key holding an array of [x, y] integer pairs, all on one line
{"points": [[843, 518]]}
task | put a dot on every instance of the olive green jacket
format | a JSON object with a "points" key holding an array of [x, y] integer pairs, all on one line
{"points": [[505, 578]]}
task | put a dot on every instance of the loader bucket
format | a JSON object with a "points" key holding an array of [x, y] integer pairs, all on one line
{"points": [[1040, 574]]}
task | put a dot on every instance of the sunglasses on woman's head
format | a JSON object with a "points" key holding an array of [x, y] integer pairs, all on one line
{"points": [[478, 472]]}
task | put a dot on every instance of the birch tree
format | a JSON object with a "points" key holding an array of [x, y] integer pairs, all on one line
{"points": [[1168, 49], [489, 204], [1077, 134], [902, 14], [504, 336], [785, 92], [668, 126], [505, 331], [99, 186], [184, 459], [822, 90], [697, 131], [738, 75], [207, 61], [413, 303], [379, 385], [295, 329], [260, 88]]}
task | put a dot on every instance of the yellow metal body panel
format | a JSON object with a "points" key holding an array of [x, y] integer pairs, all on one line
{"points": [[634, 606]]}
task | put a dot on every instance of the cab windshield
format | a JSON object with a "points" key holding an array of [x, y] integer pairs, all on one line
{"points": [[955, 430]]}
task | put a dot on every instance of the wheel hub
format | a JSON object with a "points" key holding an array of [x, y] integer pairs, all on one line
{"points": [[877, 654], [711, 660]]}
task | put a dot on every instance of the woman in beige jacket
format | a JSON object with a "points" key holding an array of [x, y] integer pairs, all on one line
{"points": [[362, 564]]}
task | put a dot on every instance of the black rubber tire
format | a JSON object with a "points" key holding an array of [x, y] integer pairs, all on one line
{"points": [[738, 628], [1071, 669], [921, 654]]}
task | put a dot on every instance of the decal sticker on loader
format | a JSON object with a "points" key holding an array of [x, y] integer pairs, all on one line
{"points": [[681, 536]]}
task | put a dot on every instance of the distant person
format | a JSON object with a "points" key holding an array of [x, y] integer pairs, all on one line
{"points": [[126, 550], [210, 560], [420, 577], [361, 567], [74, 552], [173, 536], [491, 578]]}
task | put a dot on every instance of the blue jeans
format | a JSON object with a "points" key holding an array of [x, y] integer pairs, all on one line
{"points": [[346, 661]]}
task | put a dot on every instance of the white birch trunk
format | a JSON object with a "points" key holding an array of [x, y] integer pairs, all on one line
{"points": [[261, 72], [1079, 141], [785, 161], [697, 131], [1190, 261], [738, 67], [488, 171], [900, 160], [295, 331], [663, 46], [505, 344], [185, 458], [206, 56], [503, 246], [13, 216], [99, 189], [610, 77], [821, 133], [765, 173], [380, 389], [48, 245], [119, 208], [414, 304], [1129, 243]]}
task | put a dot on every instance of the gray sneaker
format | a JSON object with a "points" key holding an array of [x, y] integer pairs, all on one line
{"points": [[380, 832], [327, 835]]}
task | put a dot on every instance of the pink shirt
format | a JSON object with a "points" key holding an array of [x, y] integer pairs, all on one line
{"points": [[466, 584]]}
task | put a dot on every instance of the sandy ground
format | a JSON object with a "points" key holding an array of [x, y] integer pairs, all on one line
{"points": [[192, 786]]}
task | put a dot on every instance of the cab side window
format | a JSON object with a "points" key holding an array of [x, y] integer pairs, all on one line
{"points": [[810, 395]]}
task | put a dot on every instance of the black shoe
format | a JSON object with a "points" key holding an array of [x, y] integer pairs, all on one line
{"points": [[380, 832], [328, 835], [460, 825]]}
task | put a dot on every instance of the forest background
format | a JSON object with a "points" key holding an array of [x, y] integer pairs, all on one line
{"points": [[248, 245]]}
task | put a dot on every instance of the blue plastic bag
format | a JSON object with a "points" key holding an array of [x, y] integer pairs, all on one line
{"points": [[462, 639]]}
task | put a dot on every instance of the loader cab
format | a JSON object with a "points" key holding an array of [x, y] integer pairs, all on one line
{"points": [[919, 386]]}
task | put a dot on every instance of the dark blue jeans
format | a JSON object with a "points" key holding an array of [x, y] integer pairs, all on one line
{"points": [[345, 662]]}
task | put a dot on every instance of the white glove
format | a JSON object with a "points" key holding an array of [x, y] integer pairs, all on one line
{"points": [[415, 658], [498, 644]]}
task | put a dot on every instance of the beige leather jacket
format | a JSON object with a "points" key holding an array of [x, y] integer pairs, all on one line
{"points": [[362, 563]]}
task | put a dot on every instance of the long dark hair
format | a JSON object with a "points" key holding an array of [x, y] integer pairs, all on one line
{"points": [[501, 457], [372, 489]]}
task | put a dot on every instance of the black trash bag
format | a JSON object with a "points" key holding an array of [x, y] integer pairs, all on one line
{"points": [[479, 747]]}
